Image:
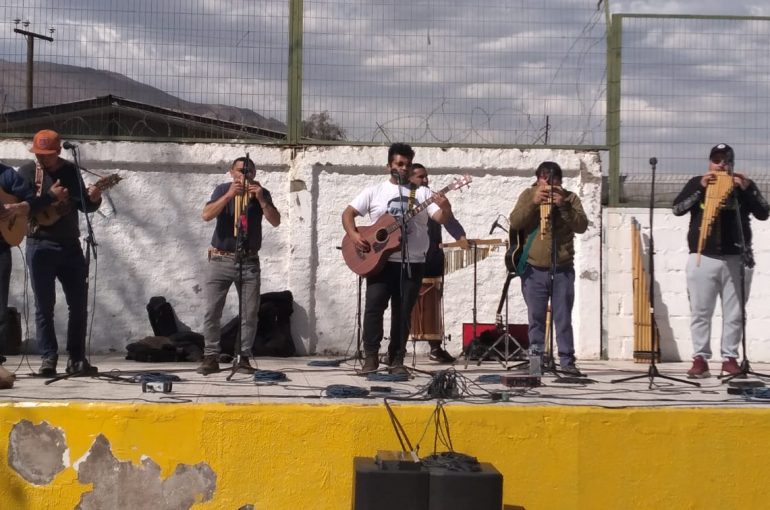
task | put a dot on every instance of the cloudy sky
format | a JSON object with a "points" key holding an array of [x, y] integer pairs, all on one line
{"points": [[441, 71]]}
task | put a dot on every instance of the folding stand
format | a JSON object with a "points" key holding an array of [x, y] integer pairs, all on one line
{"points": [[504, 355]]}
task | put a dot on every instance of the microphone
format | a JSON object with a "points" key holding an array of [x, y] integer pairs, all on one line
{"points": [[398, 177], [494, 226], [653, 161], [69, 146]]}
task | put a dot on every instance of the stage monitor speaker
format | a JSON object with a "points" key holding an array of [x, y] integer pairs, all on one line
{"points": [[466, 490], [388, 489]]}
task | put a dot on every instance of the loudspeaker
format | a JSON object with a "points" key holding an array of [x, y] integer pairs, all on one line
{"points": [[375, 488], [466, 490]]}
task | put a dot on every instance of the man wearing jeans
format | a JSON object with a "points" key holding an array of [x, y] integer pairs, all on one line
{"points": [[719, 270], [566, 219], [234, 257], [54, 253]]}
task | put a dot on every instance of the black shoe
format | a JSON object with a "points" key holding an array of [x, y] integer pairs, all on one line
{"points": [[571, 370], [80, 367], [47, 367], [209, 365], [441, 356]]}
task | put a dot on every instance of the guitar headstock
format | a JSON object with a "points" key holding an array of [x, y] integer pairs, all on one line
{"points": [[461, 182], [107, 182]]}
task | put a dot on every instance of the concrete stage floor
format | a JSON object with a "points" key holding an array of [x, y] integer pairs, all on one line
{"points": [[306, 384]]}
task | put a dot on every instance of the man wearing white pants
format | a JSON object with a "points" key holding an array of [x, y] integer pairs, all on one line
{"points": [[723, 259]]}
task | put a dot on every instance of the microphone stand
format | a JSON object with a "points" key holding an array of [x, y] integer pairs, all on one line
{"points": [[241, 247], [549, 361], [405, 274], [653, 372], [745, 365], [90, 248]]}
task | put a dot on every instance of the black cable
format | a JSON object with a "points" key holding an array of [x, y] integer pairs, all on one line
{"points": [[345, 391], [269, 376]]}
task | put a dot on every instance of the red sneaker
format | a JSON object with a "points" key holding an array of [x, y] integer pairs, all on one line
{"points": [[730, 367], [699, 370]]}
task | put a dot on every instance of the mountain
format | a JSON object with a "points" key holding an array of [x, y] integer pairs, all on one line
{"points": [[59, 83]]}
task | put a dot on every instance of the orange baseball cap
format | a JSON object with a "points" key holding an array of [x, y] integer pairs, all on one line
{"points": [[46, 141]]}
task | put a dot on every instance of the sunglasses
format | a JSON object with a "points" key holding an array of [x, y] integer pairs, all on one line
{"points": [[720, 160]]}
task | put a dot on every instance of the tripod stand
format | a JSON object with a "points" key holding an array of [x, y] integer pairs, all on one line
{"points": [[504, 355], [653, 372], [746, 261]]}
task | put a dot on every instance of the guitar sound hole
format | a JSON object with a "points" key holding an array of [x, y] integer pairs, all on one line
{"points": [[381, 235]]}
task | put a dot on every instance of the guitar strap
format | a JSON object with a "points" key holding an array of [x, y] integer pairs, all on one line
{"points": [[412, 196], [525, 252], [38, 178]]}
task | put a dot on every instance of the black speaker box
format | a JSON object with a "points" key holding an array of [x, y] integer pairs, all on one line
{"points": [[466, 490], [388, 489]]}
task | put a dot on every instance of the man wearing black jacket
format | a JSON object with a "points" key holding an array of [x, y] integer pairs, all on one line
{"points": [[719, 270]]}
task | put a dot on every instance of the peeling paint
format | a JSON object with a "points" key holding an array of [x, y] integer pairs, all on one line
{"points": [[121, 484], [37, 452]]}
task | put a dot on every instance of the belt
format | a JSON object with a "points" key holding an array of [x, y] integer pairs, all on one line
{"points": [[216, 252]]}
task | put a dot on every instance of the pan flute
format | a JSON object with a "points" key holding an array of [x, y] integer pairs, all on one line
{"points": [[456, 257], [643, 323], [717, 192], [545, 218]]}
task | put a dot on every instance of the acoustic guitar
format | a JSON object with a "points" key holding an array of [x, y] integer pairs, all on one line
{"points": [[14, 228], [517, 248], [55, 211], [384, 236]]}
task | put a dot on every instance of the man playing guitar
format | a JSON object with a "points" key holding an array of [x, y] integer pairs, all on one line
{"points": [[400, 279], [54, 253], [17, 200]]}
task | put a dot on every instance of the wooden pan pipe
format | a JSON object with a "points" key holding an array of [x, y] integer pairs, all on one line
{"points": [[643, 327], [717, 192], [545, 218], [456, 257]]}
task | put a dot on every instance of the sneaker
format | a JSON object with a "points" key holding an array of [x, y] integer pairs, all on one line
{"points": [[730, 367], [441, 356], [48, 367], [209, 365], [699, 369], [571, 370], [244, 366], [80, 367]]}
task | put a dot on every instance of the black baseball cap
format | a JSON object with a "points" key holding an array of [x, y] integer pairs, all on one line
{"points": [[723, 148]]}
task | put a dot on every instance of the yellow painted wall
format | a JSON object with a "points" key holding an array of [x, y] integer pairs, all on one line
{"points": [[280, 456]]}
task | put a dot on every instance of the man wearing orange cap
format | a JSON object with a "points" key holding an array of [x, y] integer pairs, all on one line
{"points": [[54, 252]]}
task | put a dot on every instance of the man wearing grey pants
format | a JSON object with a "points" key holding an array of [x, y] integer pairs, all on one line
{"points": [[567, 218], [241, 202], [718, 273]]}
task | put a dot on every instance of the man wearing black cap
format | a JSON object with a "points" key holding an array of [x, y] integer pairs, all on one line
{"points": [[568, 219], [54, 252], [718, 272]]}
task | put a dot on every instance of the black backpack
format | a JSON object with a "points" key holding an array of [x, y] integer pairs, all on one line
{"points": [[162, 318], [273, 337]]}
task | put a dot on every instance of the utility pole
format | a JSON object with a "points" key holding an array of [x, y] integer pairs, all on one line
{"points": [[31, 36]]}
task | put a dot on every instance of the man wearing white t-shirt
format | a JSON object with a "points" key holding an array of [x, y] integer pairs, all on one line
{"points": [[400, 279]]}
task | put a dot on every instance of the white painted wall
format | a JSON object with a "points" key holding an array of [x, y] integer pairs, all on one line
{"points": [[154, 243], [672, 309]]}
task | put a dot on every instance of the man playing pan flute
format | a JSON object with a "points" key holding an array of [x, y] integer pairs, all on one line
{"points": [[715, 269], [565, 218], [241, 201]]}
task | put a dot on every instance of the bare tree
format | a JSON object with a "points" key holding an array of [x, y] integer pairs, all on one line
{"points": [[320, 126]]}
